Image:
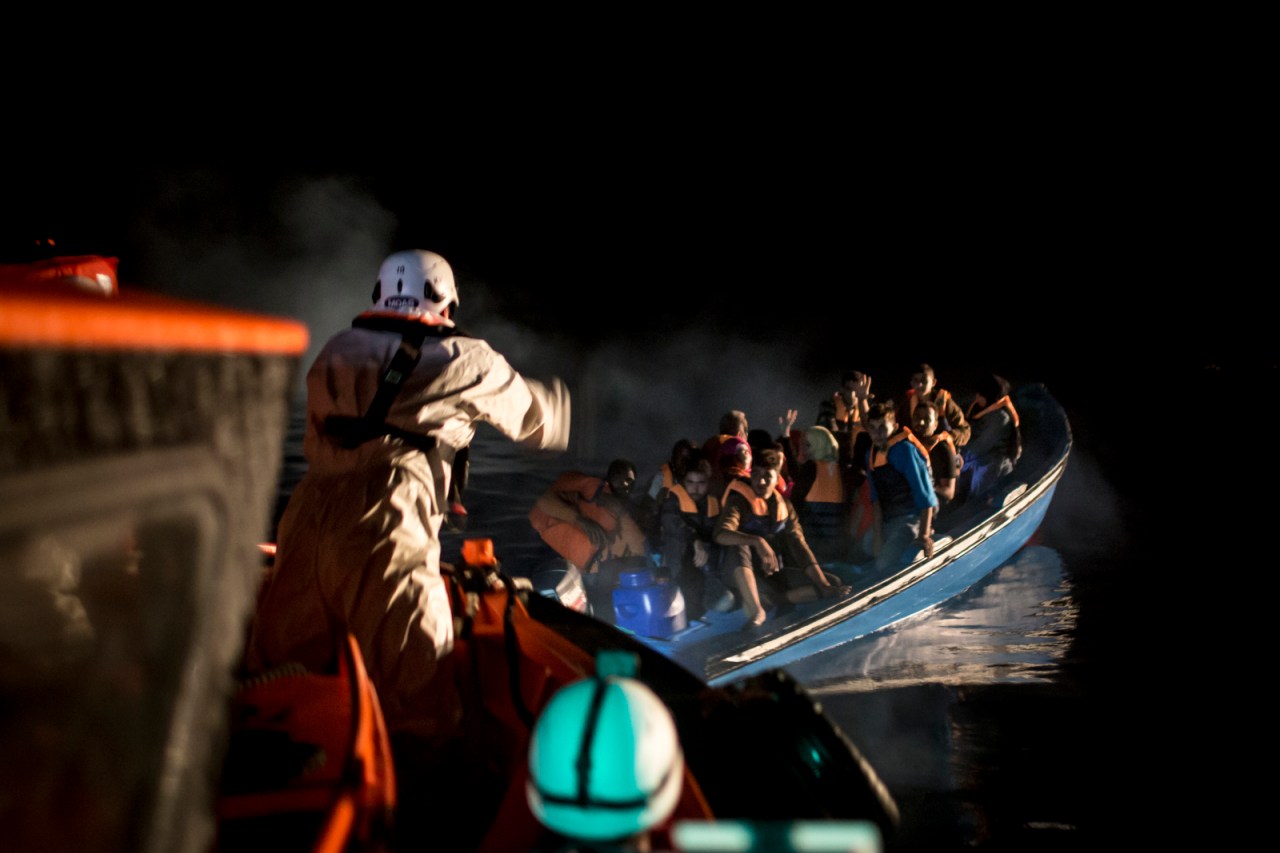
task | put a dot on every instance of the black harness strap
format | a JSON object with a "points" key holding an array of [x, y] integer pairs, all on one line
{"points": [[352, 431]]}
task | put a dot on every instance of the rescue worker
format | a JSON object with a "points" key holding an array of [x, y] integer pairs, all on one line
{"points": [[924, 386], [761, 534], [902, 496], [389, 401]]}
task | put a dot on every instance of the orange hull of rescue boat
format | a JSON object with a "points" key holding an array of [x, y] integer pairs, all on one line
{"points": [[507, 667], [309, 765]]}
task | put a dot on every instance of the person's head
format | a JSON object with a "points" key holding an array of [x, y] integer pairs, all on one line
{"points": [[765, 470], [821, 444], [735, 456], [924, 419], [990, 389], [605, 762], [695, 479], [882, 422], [621, 476], [923, 379], [682, 455], [850, 379], [734, 423], [759, 439], [416, 282]]}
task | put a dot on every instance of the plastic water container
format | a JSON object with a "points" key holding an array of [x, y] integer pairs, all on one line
{"points": [[647, 606]]}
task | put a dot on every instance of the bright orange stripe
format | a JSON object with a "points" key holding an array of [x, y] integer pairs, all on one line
{"points": [[41, 317]]}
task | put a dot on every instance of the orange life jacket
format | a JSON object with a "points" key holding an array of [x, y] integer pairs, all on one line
{"points": [[762, 521], [940, 399], [1004, 402], [892, 488], [846, 414], [828, 486], [687, 505], [929, 442], [880, 458]]}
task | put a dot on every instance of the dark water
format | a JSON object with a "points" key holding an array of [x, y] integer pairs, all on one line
{"points": [[989, 717]]}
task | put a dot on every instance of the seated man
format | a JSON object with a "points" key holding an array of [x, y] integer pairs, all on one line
{"points": [[850, 400], [588, 521], [996, 442], [762, 535], [687, 520], [944, 461], [924, 388], [902, 497], [683, 454]]}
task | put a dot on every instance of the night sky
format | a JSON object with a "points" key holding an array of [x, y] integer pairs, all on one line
{"points": [[1057, 237]]}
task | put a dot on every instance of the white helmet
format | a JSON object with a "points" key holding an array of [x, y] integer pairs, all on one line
{"points": [[604, 760], [415, 282]]}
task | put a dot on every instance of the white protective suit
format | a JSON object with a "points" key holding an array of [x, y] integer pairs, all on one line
{"points": [[359, 546]]}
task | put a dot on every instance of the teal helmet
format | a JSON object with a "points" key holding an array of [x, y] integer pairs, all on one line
{"points": [[604, 760]]}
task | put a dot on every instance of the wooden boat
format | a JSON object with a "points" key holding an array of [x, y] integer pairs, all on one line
{"points": [[971, 541]]}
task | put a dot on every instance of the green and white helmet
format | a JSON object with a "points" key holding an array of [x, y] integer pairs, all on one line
{"points": [[604, 760], [415, 282]]}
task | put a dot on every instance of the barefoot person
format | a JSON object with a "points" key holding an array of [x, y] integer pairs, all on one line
{"points": [[763, 539]]}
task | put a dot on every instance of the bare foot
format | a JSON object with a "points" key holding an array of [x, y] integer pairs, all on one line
{"points": [[835, 591]]}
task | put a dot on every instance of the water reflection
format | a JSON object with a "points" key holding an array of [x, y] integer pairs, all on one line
{"points": [[965, 712], [1015, 626]]}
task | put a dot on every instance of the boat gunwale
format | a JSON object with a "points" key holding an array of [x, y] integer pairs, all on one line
{"points": [[910, 575]]}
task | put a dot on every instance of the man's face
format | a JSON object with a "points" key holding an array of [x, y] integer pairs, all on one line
{"points": [[622, 482], [922, 382], [924, 421], [763, 481], [881, 430], [695, 483]]}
